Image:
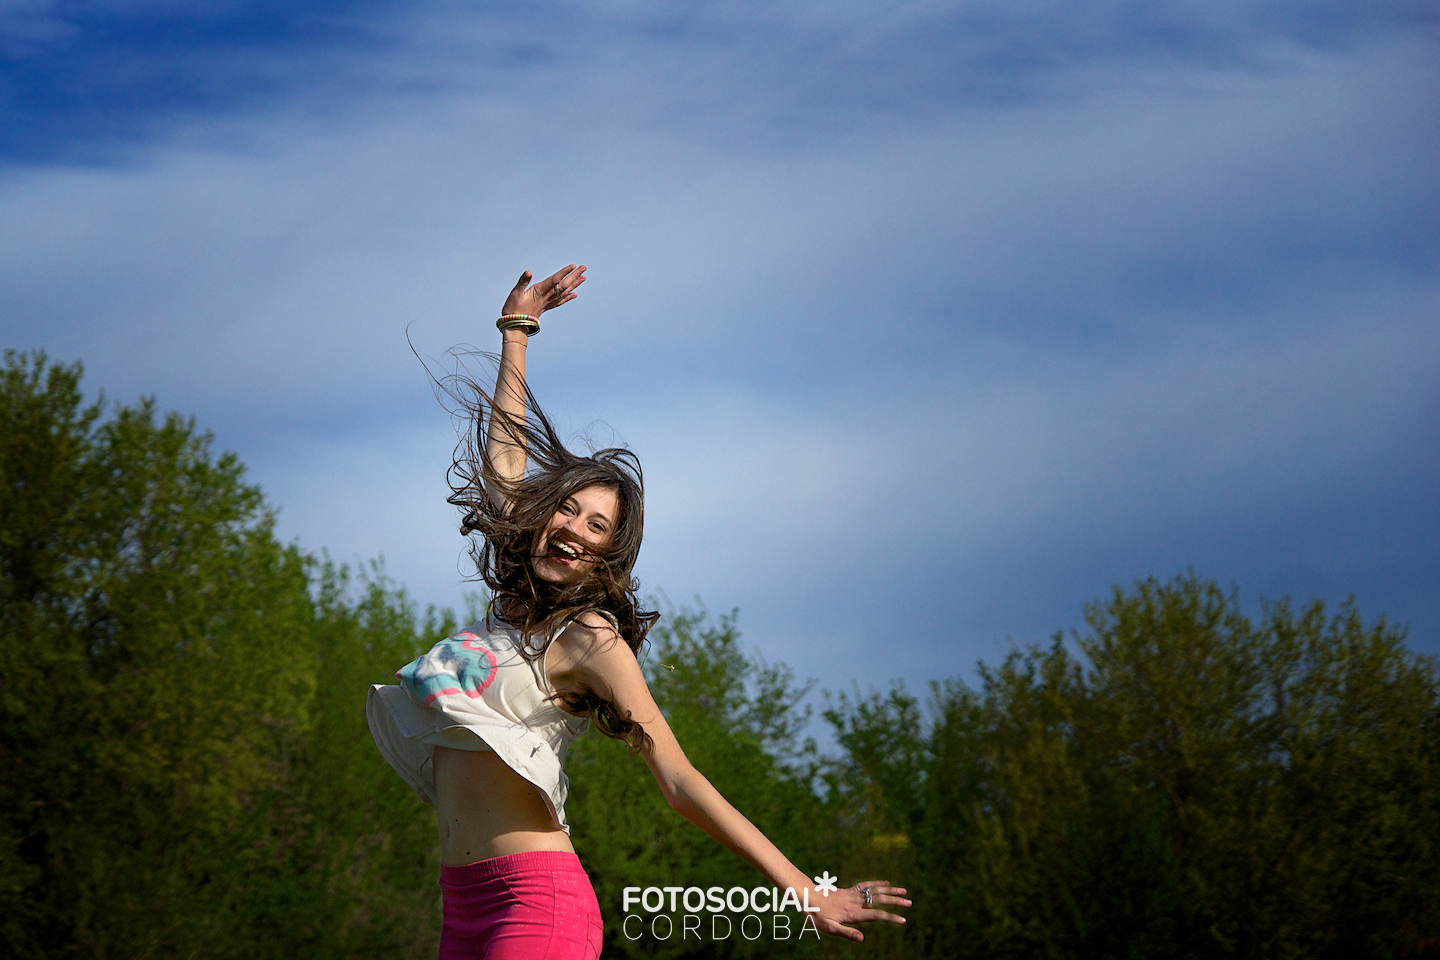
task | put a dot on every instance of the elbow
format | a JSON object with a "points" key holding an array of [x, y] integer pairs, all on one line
{"points": [[678, 789]]}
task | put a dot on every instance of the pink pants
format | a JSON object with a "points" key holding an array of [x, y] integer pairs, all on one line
{"points": [[519, 907]]}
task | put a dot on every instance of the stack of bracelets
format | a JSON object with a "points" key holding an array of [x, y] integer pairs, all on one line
{"points": [[519, 321]]}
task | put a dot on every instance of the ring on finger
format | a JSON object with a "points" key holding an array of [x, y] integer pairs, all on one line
{"points": [[865, 891]]}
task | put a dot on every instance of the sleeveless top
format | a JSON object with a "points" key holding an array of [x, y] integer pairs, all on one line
{"points": [[477, 691]]}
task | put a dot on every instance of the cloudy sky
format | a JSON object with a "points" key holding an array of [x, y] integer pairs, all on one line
{"points": [[930, 321]]}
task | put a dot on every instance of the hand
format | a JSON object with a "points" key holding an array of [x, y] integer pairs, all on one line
{"points": [[547, 294], [848, 906]]}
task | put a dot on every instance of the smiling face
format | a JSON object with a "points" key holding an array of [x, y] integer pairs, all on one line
{"points": [[582, 527]]}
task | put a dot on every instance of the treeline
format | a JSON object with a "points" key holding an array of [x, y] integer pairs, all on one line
{"points": [[187, 771], [1176, 781]]}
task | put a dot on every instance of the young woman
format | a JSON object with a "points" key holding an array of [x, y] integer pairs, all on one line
{"points": [[480, 724]]}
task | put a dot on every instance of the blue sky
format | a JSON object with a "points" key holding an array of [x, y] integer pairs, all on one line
{"points": [[929, 321]]}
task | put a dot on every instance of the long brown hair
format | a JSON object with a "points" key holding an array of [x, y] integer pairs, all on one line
{"points": [[502, 552]]}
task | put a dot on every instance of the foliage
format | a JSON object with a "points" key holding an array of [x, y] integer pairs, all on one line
{"points": [[188, 771], [1177, 781], [182, 723]]}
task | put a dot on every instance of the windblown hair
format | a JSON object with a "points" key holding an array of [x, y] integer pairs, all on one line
{"points": [[502, 552]]}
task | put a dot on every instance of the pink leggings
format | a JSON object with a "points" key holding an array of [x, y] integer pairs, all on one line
{"points": [[518, 907]]}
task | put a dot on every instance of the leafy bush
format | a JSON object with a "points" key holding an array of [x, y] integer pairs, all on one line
{"points": [[1176, 781], [187, 769]]}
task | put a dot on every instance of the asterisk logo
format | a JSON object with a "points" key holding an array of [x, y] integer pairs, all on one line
{"points": [[826, 883]]}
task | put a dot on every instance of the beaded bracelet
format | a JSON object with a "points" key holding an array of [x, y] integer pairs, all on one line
{"points": [[519, 321]]}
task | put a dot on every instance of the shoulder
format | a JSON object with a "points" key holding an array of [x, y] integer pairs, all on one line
{"points": [[599, 620], [591, 651], [592, 631]]}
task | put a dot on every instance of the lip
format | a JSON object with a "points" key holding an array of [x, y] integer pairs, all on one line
{"points": [[555, 556]]}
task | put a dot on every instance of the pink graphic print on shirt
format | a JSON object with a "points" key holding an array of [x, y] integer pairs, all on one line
{"points": [[459, 665]]}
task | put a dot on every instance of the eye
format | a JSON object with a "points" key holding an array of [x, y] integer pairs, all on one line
{"points": [[568, 508]]}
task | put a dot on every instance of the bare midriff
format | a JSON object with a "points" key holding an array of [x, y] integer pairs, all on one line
{"points": [[488, 810]]}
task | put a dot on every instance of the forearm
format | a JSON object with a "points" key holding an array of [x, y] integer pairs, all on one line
{"points": [[505, 434], [597, 656], [697, 800], [505, 445]]}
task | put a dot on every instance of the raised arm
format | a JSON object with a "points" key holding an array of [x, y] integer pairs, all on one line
{"points": [[592, 653], [504, 440]]}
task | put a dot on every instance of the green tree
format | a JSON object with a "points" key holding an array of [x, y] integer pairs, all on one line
{"points": [[1351, 859], [875, 799], [188, 769], [1175, 781], [339, 858], [147, 615]]}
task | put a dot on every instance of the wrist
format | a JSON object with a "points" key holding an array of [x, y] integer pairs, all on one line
{"points": [[801, 883], [521, 324]]}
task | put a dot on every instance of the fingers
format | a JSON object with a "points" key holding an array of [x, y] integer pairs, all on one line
{"points": [[888, 894], [523, 282], [560, 287], [836, 929], [558, 277], [881, 892]]}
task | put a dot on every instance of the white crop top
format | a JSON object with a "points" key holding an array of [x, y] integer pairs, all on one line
{"points": [[476, 691]]}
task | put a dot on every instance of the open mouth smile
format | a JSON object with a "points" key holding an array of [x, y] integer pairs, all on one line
{"points": [[563, 553]]}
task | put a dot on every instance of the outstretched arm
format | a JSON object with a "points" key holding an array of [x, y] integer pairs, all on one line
{"points": [[590, 651], [505, 437]]}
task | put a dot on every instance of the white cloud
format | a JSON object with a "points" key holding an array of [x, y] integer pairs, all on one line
{"points": [[884, 372]]}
